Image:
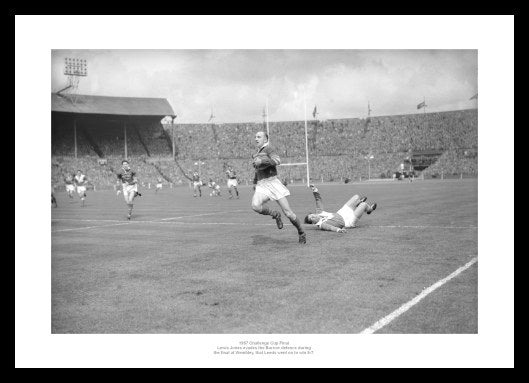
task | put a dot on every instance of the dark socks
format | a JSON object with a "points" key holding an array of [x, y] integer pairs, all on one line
{"points": [[268, 211], [297, 224]]}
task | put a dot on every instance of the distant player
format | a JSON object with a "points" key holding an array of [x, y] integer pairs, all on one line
{"points": [[158, 185], [70, 187], [346, 217], [269, 187], [232, 182], [130, 185], [80, 182], [53, 200], [215, 188], [197, 183]]}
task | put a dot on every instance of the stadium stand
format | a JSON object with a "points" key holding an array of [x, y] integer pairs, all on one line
{"points": [[435, 143], [95, 133], [453, 162], [337, 148]]}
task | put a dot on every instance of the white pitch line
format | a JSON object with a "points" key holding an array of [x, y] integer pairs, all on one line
{"points": [[421, 227], [156, 222], [405, 307], [91, 227], [126, 223], [87, 220], [202, 215], [163, 219], [247, 224], [213, 223]]}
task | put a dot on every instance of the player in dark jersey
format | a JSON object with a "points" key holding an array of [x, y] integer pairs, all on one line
{"points": [[130, 185], [53, 200], [232, 182], [346, 217], [269, 187], [70, 187]]}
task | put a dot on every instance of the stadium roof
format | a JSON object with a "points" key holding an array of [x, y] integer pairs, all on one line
{"points": [[123, 106]]}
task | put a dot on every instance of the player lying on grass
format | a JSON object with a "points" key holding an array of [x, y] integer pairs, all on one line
{"points": [[346, 217]]}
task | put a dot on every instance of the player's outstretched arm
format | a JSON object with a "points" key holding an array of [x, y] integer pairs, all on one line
{"points": [[327, 227], [317, 197]]}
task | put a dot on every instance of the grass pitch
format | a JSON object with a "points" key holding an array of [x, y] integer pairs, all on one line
{"points": [[211, 265]]}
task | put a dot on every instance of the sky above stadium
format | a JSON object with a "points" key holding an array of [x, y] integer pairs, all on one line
{"points": [[235, 84]]}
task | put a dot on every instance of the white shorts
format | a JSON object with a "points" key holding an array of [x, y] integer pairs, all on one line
{"points": [[129, 188], [81, 189], [348, 216], [70, 188], [272, 188], [232, 182], [195, 184]]}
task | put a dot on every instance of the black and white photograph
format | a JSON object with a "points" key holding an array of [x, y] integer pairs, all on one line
{"points": [[265, 201]]}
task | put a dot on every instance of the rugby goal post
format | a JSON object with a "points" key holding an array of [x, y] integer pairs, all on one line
{"points": [[306, 163]]}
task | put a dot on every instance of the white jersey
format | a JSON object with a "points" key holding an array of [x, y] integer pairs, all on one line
{"points": [[324, 216], [80, 180]]}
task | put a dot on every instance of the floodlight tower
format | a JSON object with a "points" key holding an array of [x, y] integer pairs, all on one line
{"points": [[74, 69]]}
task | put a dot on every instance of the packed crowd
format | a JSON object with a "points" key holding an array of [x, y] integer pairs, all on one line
{"points": [[101, 174], [98, 175], [338, 149], [62, 143], [453, 162], [386, 134], [110, 140]]}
